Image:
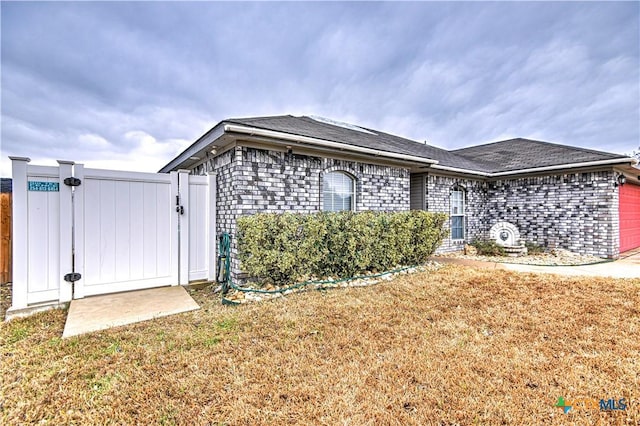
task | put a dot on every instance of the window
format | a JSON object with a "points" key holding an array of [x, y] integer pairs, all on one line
{"points": [[338, 191], [457, 214]]}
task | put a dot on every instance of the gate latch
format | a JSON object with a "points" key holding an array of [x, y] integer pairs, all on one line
{"points": [[72, 181], [72, 277], [179, 208]]}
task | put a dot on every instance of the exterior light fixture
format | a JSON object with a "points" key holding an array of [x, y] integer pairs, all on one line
{"points": [[620, 180]]}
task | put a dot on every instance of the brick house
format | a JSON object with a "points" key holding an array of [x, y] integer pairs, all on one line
{"points": [[560, 196]]}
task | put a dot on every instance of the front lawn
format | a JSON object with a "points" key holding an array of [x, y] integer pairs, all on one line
{"points": [[458, 346]]}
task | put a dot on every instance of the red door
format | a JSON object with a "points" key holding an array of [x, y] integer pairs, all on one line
{"points": [[629, 217]]}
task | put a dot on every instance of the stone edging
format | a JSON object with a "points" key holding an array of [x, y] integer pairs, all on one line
{"points": [[240, 297]]}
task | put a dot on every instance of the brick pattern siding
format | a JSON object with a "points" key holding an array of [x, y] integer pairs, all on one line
{"points": [[577, 212], [438, 190], [224, 166], [251, 180], [269, 181]]}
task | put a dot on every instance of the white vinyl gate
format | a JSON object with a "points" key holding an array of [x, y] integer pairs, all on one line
{"points": [[80, 232], [126, 231]]}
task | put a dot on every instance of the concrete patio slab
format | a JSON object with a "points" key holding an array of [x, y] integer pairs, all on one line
{"points": [[112, 310]]}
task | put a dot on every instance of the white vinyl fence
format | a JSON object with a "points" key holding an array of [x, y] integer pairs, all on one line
{"points": [[198, 225], [80, 232]]}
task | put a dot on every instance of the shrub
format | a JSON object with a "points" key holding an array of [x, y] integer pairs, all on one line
{"points": [[488, 248], [533, 248], [289, 247]]}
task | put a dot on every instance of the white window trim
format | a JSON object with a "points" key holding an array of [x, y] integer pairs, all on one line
{"points": [[463, 215], [354, 189]]}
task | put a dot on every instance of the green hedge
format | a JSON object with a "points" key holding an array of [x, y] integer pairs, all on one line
{"points": [[288, 247], [488, 248]]}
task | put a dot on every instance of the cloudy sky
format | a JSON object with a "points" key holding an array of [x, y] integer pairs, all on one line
{"points": [[129, 85]]}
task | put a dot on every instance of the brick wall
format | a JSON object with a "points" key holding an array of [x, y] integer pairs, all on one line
{"points": [[253, 180], [224, 166], [577, 211], [438, 190], [277, 181], [382, 188], [270, 181]]}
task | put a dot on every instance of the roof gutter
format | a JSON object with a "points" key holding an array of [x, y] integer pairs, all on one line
{"points": [[539, 169], [251, 131], [457, 170], [568, 166]]}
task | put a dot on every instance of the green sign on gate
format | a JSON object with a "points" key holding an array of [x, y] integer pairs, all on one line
{"points": [[44, 186]]}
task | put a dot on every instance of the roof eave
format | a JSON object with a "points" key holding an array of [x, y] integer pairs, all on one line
{"points": [[200, 144], [252, 131], [224, 127], [460, 170], [612, 161]]}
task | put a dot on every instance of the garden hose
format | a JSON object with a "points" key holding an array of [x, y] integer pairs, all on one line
{"points": [[224, 261], [304, 284]]}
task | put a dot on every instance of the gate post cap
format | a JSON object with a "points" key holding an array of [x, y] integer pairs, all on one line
{"points": [[66, 162], [12, 158]]}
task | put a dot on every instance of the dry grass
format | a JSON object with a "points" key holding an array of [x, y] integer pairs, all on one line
{"points": [[5, 298], [459, 346]]}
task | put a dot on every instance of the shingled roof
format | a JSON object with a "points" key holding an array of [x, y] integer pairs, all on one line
{"points": [[495, 157], [502, 157], [307, 126], [518, 154]]}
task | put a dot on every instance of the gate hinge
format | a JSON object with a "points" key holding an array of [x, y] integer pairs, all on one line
{"points": [[72, 181], [72, 277]]}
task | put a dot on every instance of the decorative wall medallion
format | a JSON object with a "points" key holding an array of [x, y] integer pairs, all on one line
{"points": [[505, 234]]}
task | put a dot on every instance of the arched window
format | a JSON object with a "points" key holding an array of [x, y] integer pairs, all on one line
{"points": [[457, 213], [338, 192]]}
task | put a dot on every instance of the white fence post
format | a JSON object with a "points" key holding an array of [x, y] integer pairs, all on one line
{"points": [[20, 234], [66, 231], [78, 232], [211, 228], [183, 184], [175, 221]]}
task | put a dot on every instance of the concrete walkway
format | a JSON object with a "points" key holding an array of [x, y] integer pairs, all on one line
{"points": [[112, 310], [628, 266]]}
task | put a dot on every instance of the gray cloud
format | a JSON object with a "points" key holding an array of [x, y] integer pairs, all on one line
{"points": [[131, 84]]}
